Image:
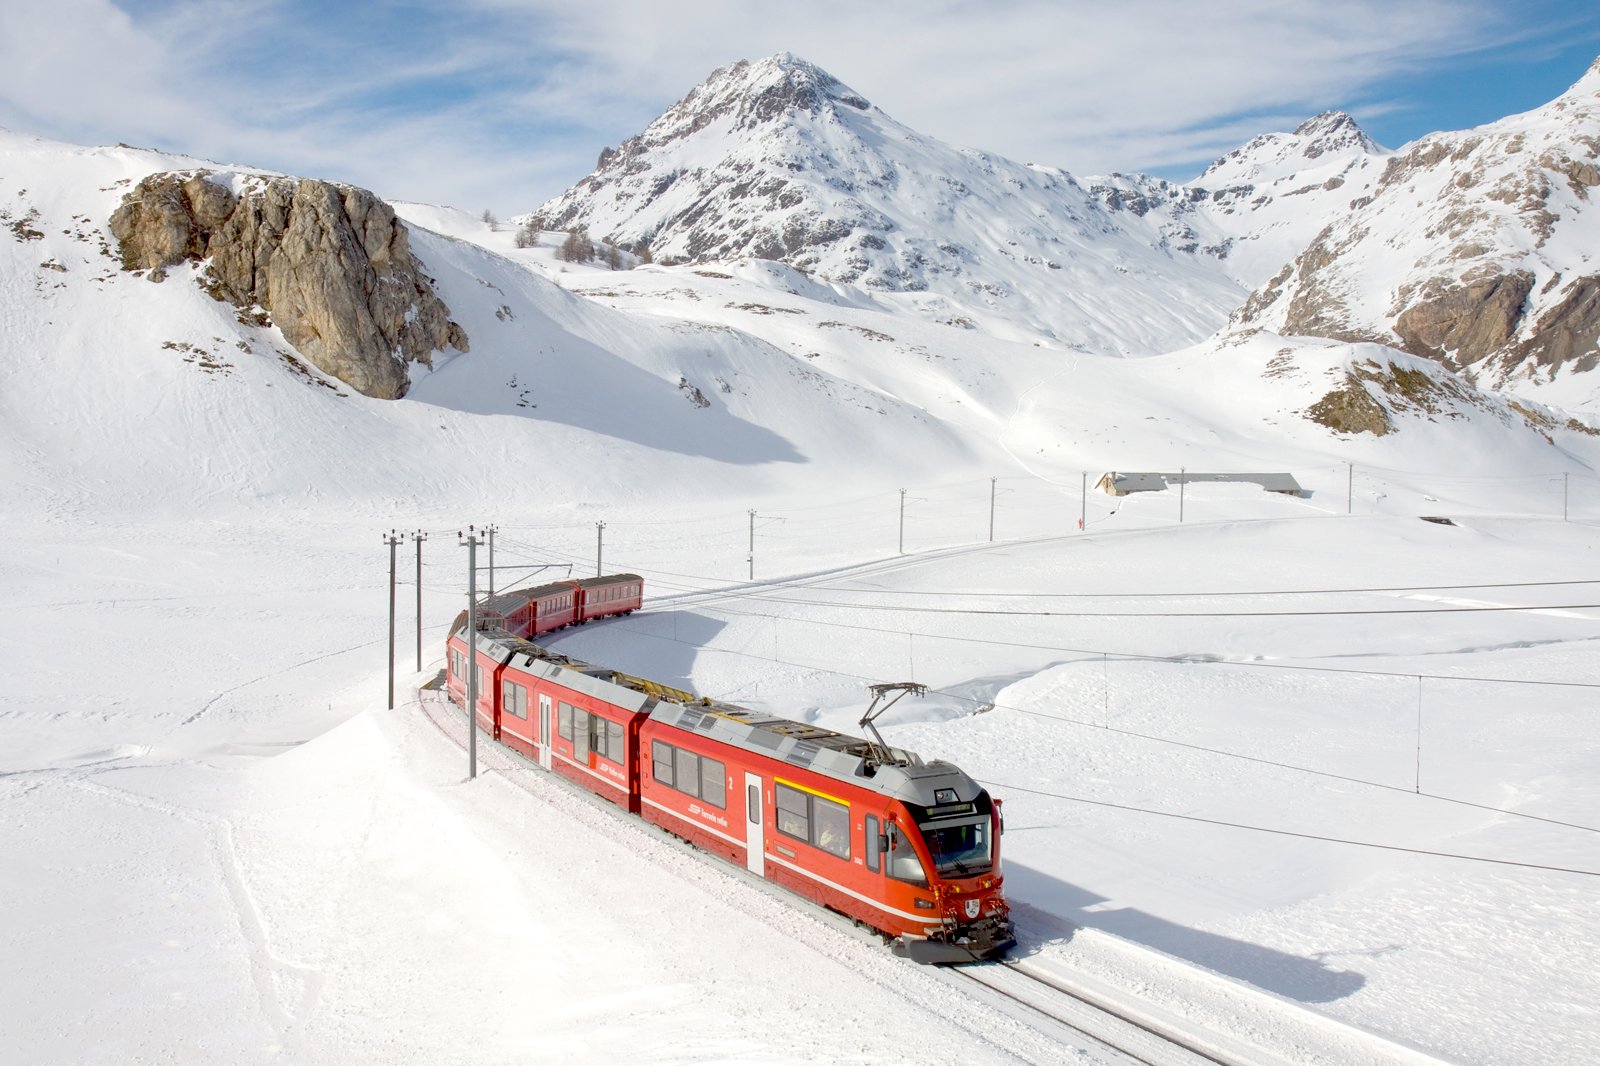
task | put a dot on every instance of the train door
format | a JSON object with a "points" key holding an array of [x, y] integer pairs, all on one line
{"points": [[755, 845], [581, 732], [541, 735], [875, 841]]}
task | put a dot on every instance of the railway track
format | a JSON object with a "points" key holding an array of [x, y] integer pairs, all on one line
{"points": [[1067, 1018], [1054, 1007], [1057, 1003]]}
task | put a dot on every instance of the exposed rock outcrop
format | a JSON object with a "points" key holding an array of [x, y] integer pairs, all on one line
{"points": [[329, 263], [1565, 334], [1473, 318], [1472, 250], [1380, 390], [1351, 409]]}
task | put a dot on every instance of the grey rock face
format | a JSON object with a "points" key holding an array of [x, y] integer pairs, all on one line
{"points": [[330, 263], [1474, 318], [1472, 250]]}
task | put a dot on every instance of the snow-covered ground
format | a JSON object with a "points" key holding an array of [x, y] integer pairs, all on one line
{"points": [[1271, 779]]}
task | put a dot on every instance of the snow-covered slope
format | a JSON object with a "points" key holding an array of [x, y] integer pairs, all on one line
{"points": [[550, 372], [1274, 194], [222, 845], [1475, 248], [779, 160]]}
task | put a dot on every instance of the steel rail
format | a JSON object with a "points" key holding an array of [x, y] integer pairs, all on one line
{"points": [[1140, 1040]]}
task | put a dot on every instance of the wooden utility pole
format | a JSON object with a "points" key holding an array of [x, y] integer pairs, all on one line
{"points": [[419, 536], [471, 541], [391, 539]]}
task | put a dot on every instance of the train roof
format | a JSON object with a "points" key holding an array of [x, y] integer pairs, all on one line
{"points": [[824, 751], [808, 747], [609, 579], [505, 602]]}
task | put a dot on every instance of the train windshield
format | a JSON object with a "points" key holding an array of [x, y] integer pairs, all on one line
{"points": [[960, 847]]}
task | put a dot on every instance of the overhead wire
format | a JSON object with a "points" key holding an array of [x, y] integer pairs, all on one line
{"points": [[1134, 734], [1293, 833], [1223, 753], [1153, 657], [956, 593], [1002, 613]]}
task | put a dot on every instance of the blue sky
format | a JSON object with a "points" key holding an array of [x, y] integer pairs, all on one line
{"points": [[504, 103]]}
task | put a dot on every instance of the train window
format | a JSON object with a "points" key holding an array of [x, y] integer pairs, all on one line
{"points": [[713, 786], [794, 812], [688, 773], [661, 755], [477, 678], [564, 720], [874, 851], [614, 743], [514, 699], [830, 822], [904, 865], [822, 823]]}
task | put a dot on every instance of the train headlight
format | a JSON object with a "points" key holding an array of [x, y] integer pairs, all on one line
{"points": [[924, 904]]}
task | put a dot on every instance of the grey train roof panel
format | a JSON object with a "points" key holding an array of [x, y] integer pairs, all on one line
{"points": [[810, 747], [609, 579], [820, 750]]}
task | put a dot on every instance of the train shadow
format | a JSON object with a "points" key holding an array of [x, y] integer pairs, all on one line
{"points": [[1049, 910]]}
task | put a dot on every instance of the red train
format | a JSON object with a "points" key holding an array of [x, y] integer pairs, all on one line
{"points": [[906, 847]]}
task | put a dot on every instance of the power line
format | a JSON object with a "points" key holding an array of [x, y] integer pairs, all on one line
{"points": [[1005, 613], [1152, 657], [1292, 833], [960, 698], [955, 594]]}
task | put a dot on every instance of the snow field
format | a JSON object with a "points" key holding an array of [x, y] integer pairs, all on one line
{"points": [[221, 846]]}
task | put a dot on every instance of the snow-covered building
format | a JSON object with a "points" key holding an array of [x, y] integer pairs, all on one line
{"points": [[1121, 484]]}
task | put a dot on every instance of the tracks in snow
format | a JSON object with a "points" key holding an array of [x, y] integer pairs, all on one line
{"points": [[1039, 1009], [1133, 1039]]}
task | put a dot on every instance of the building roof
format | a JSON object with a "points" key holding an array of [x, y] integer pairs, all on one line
{"points": [[1122, 482]]}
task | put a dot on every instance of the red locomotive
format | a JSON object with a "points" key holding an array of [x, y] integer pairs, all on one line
{"points": [[906, 847]]}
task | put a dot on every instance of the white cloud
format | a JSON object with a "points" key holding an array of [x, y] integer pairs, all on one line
{"points": [[501, 103]]}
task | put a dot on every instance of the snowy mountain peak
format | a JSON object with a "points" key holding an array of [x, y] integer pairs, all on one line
{"points": [[1334, 132], [1473, 248], [1331, 137], [745, 97], [767, 88], [777, 159], [1590, 82]]}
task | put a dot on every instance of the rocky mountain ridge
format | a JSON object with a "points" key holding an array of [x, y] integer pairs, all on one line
{"points": [[778, 159], [1474, 249]]}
